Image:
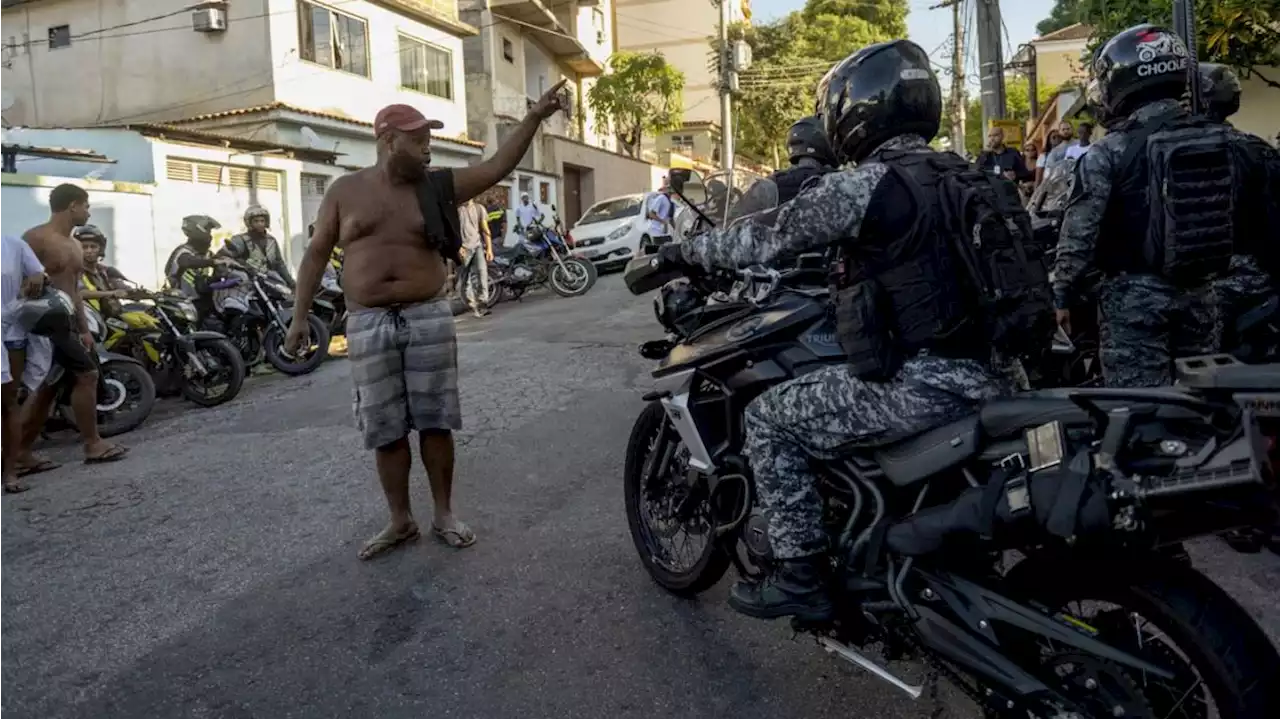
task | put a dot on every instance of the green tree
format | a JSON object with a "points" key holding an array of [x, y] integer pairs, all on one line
{"points": [[641, 94], [1064, 13], [791, 54], [1244, 34], [1017, 93]]}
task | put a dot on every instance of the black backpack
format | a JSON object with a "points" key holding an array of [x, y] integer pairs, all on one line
{"points": [[1007, 276]]}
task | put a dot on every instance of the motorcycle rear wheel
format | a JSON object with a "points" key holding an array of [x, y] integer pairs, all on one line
{"points": [[1211, 634], [232, 368], [647, 436]]}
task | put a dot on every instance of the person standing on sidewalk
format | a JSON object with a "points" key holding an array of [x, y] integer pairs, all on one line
{"points": [[477, 251], [397, 222]]}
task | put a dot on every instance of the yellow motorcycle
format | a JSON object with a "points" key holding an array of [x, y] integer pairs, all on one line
{"points": [[158, 329]]}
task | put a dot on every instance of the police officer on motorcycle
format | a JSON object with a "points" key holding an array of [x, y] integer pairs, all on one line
{"points": [[1244, 293], [1160, 259], [810, 155], [913, 360]]}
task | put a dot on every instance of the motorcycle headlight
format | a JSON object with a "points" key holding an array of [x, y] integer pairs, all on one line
{"points": [[187, 310], [618, 234]]}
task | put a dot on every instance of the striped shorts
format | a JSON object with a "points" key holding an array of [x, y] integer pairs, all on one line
{"points": [[404, 363]]}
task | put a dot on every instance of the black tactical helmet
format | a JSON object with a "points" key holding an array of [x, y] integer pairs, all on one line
{"points": [[199, 228], [1219, 90], [1140, 65], [878, 93], [807, 139]]}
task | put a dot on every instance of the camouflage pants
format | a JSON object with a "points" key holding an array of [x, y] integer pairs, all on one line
{"points": [[1145, 323], [812, 415], [1244, 289]]}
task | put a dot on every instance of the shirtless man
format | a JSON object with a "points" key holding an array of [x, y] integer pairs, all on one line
{"points": [[63, 261], [400, 331]]}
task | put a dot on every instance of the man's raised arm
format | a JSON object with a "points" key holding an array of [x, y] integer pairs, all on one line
{"points": [[471, 181]]}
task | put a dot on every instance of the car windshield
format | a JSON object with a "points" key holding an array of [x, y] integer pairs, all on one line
{"points": [[612, 210]]}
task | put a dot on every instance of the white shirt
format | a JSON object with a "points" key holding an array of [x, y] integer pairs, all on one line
{"points": [[18, 262], [660, 205], [526, 214], [1076, 151], [1041, 160]]}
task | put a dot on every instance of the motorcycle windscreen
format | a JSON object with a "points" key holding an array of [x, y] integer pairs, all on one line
{"points": [[762, 196]]}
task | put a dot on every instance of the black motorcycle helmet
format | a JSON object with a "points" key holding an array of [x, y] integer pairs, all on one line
{"points": [[90, 233], [807, 138], [1219, 90], [1138, 66], [199, 229], [876, 94], [676, 299]]}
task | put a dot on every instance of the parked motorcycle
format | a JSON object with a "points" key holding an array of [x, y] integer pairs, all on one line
{"points": [[254, 309], [126, 392], [541, 257], [158, 330]]}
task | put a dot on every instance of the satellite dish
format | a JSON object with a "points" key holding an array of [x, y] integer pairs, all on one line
{"points": [[310, 137], [6, 100]]}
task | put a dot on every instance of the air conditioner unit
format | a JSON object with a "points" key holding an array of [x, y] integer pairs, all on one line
{"points": [[211, 19]]}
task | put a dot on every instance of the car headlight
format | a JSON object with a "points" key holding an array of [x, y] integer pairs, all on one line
{"points": [[619, 233]]}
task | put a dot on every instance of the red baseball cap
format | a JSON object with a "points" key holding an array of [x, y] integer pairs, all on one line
{"points": [[405, 118]]}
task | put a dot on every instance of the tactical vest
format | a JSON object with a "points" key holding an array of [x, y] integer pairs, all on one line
{"points": [[191, 281], [791, 180], [1175, 209], [895, 288]]}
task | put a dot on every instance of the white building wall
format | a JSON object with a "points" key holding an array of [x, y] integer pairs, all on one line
{"points": [[158, 68], [316, 87]]}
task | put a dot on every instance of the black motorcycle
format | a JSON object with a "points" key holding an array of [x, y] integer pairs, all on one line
{"points": [[254, 310], [1085, 484], [330, 303]]}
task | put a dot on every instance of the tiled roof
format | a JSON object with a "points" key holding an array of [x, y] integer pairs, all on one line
{"points": [[1078, 31], [258, 109]]}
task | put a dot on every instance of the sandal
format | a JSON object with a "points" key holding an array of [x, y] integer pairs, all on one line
{"points": [[14, 486], [114, 453], [388, 539], [39, 467], [459, 536]]}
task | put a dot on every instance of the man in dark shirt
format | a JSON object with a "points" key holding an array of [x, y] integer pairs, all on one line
{"points": [[1000, 159]]}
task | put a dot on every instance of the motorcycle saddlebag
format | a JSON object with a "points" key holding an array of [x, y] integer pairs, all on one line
{"points": [[1014, 508]]}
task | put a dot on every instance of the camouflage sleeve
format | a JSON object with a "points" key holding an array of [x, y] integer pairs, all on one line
{"points": [[830, 211], [1090, 191]]}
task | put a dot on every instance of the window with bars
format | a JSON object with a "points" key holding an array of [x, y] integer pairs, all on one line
{"points": [[425, 68], [333, 39], [314, 185]]}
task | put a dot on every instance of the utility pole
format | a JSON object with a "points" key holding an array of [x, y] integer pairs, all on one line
{"points": [[959, 100], [728, 79], [1184, 23], [990, 60]]}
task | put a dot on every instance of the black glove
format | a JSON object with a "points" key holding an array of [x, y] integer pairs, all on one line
{"points": [[670, 257]]}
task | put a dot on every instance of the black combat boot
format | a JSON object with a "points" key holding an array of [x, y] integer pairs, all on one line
{"points": [[796, 588]]}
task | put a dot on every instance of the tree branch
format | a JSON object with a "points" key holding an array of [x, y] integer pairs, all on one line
{"points": [[1254, 69]]}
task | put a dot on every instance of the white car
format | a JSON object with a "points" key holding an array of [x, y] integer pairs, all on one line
{"points": [[610, 231]]}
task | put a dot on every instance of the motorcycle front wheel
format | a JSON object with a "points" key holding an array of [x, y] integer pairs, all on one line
{"points": [[307, 359], [572, 278], [659, 508], [126, 396], [223, 377]]}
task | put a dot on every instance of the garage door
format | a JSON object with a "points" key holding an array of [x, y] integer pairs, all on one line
{"points": [[221, 191]]}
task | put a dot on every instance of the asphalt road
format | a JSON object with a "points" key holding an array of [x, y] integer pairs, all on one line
{"points": [[214, 572]]}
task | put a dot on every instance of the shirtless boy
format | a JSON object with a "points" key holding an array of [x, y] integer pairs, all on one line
{"points": [[63, 262], [401, 342]]}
